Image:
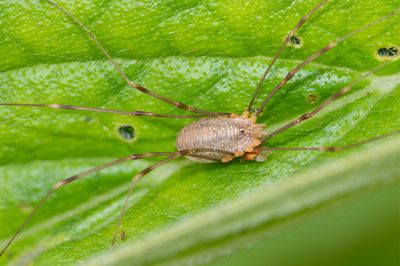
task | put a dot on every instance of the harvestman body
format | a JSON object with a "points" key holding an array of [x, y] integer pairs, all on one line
{"points": [[219, 137], [239, 136]]}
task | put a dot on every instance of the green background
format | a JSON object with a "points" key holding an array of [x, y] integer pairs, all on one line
{"points": [[208, 54]]}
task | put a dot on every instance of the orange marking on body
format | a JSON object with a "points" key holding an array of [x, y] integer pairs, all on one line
{"points": [[249, 149], [227, 158]]}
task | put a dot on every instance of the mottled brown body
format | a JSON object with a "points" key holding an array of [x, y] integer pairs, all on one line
{"points": [[237, 135]]}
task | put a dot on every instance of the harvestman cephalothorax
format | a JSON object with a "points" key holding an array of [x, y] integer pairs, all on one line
{"points": [[217, 136]]}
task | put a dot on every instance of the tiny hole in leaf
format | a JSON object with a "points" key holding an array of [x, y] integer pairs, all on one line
{"points": [[295, 41], [127, 132], [387, 53]]}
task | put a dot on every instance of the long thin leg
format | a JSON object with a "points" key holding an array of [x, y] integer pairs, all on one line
{"points": [[75, 177], [101, 110], [285, 42], [332, 148], [136, 178], [122, 73], [325, 103], [332, 44]]}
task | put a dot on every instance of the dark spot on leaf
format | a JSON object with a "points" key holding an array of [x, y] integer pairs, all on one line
{"points": [[391, 51], [295, 41], [123, 235], [127, 132], [387, 53], [312, 98], [88, 119]]}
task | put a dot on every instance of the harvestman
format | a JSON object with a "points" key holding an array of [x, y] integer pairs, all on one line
{"points": [[217, 137]]}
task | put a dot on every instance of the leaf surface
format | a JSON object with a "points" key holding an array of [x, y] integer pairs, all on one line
{"points": [[209, 55]]}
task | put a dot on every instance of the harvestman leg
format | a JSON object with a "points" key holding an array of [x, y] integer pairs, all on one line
{"points": [[285, 42], [101, 110], [332, 148], [309, 115], [320, 52], [136, 178], [76, 177], [122, 73], [134, 181], [324, 104]]}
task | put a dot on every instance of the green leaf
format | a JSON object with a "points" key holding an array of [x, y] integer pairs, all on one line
{"points": [[206, 54], [241, 221]]}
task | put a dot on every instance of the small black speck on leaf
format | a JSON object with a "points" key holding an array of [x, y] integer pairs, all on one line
{"points": [[295, 41], [127, 132], [388, 52]]}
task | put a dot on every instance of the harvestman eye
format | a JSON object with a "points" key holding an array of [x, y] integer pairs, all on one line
{"points": [[213, 137]]}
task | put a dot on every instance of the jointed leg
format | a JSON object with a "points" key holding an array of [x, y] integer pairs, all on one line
{"points": [[101, 110], [325, 103], [332, 44], [75, 177], [290, 35], [332, 148], [134, 181], [122, 73], [136, 178]]}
